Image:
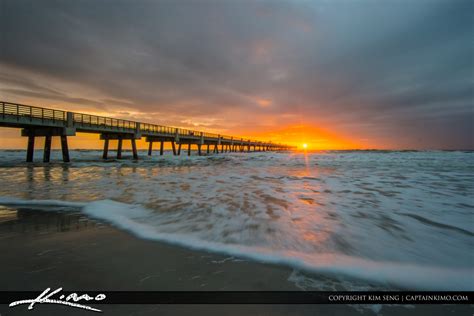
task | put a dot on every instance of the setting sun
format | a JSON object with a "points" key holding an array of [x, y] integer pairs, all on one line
{"points": [[305, 146]]}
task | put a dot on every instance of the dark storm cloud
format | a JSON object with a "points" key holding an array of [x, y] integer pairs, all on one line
{"points": [[389, 69]]}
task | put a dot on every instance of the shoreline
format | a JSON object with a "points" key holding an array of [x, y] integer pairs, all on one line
{"points": [[43, 249], [55, 242]]}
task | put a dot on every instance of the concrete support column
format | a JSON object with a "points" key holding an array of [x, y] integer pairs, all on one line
{"points": [[174, 148], [47, 148], [208, 149], [106, 149], [150, 148], [31, 148], [64, 148], [134, 149], [189, 149], [179, 149], [119, 149], [199, 150], [161, 148]]}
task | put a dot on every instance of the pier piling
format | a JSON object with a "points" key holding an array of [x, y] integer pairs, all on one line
{"points": [[47, 148], [64, 148], [134, 149], [119, 148], [31, 148], [174, 148], [106, 149], [150, 148]]}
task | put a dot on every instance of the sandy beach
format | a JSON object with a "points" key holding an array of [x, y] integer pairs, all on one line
{"points": [[48, 249]]}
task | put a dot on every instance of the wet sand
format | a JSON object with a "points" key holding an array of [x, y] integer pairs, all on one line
{"points": [[48, 249]]}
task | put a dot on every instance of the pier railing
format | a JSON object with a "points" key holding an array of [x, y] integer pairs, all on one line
{"points": [[94, 120], [28, 111]]}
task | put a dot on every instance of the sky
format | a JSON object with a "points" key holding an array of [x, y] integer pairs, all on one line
{"points": [[339, 74]]}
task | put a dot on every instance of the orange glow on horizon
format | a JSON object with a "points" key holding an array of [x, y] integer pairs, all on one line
{"points": [[306, 137]]}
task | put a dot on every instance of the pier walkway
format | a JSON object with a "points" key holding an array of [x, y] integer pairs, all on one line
{"points": [[43, 122]]}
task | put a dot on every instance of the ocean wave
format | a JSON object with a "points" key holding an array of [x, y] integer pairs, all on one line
{"points": [[134, 219]]}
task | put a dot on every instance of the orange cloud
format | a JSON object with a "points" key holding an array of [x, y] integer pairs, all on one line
{"points": [[264, 102]]}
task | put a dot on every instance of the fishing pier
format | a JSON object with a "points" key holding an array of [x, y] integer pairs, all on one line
{"points": [[44, 122]]}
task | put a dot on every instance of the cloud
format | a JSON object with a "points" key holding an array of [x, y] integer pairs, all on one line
{"points": [[366, 68]]}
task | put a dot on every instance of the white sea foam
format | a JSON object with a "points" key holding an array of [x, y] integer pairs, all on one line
{"points": [[403, 219], [133, 219]]}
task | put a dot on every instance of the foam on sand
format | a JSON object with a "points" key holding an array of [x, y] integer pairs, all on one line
{"points": [[134, 219]]}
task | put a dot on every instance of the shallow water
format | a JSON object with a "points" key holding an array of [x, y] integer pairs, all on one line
{"points": [[367, 219]]}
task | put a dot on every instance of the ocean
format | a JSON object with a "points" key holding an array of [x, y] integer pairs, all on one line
{"points": [[342, 220]]}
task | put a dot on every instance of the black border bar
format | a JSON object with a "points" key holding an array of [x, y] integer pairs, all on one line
{"points": [[256, 297]]}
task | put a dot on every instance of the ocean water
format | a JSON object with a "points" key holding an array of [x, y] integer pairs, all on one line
{"points": [[347, 220]]}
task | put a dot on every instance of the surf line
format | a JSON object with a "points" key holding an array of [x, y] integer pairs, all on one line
{"points": [[46, 297]]}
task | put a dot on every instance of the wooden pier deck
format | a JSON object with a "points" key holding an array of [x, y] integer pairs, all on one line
{"points": [[43, 122]]}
